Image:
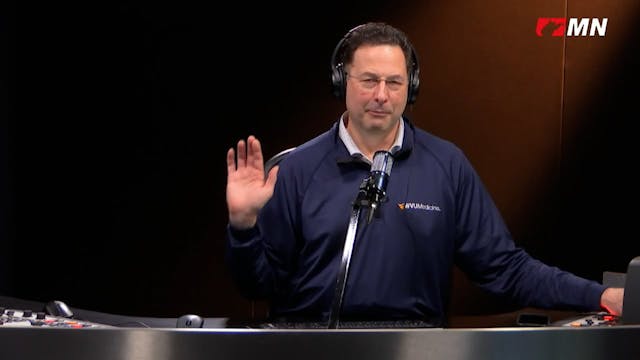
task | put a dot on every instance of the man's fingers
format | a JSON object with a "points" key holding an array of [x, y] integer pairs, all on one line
{"points": [[250, 140], [231, 161], [273, 176], [255, 153], [249, 154], [242, 154]]}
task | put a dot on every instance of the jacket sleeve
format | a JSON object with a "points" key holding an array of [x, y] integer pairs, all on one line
{"points": [[486, 252], [260, 258]]}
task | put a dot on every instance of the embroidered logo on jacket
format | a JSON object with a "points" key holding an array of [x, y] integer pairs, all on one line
{"points": [[418, 206]]}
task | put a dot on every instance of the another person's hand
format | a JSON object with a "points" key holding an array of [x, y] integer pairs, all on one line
{"points": [[247, 188], [612, 299]]}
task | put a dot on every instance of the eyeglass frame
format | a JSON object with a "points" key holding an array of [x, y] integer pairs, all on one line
{"points": [[371, 81]]}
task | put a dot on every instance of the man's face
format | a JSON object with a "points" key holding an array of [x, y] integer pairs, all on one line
{"points": [[377, 83]]}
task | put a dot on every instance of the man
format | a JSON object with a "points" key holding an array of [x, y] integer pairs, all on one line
{"points": [[286, 238]]}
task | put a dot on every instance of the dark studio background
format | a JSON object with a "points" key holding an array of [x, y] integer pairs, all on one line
{"points": [[116, 119]]}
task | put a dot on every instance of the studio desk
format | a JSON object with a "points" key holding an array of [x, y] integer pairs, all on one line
{"points": [[550, 342], [28, 335]]}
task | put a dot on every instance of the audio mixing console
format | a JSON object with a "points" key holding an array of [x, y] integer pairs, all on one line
{"points": [[29, 318]]}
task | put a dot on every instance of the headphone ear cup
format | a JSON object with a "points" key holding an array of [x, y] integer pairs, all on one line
{"points": [[414, 79], [414, 87], [338, 81]]}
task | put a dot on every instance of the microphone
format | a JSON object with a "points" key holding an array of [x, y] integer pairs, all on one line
{"points": [[373, 189]]}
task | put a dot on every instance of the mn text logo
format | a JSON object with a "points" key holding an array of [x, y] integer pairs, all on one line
{"points": [[575, 27]]}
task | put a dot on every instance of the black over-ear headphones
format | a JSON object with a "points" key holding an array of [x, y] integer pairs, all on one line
{"points": [[338, 75]]}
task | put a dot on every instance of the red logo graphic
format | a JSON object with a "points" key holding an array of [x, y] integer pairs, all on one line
{"points": [[551, 26]]}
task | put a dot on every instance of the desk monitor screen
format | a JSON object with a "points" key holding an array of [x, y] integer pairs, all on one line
{"points": [[631, 302]]}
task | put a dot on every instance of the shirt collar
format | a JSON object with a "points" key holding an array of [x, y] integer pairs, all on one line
{"points": [[353, 149]]}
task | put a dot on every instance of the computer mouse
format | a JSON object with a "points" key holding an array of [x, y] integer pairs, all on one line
{"points": [[190, 321]]}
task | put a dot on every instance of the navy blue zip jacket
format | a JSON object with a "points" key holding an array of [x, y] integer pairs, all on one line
{"points": [[438, 214]]}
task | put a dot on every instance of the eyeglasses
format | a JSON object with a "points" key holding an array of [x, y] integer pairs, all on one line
{"points": [[370, 82]]}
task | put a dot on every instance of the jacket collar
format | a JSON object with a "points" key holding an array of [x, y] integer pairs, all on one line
{"points": [[343, 156]]}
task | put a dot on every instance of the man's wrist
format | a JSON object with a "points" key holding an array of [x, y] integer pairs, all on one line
{"points": [[239, 222]]}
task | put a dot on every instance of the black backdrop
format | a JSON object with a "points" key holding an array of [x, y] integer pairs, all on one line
{"points": [[121, 117]]}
